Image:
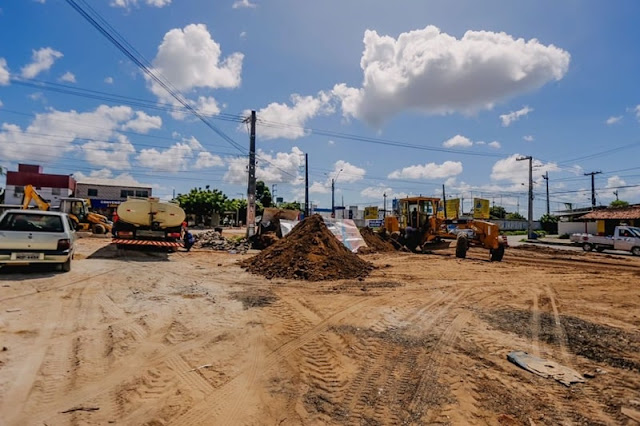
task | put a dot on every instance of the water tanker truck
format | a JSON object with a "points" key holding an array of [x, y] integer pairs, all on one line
{"points": [[148, 221]]}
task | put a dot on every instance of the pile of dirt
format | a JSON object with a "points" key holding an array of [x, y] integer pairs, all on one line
{"points": [[309, 252], [375, 242], [215, 241]]}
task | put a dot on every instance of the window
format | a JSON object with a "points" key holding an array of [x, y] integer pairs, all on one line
{"points": [[31, 223], [144, 194], [55, 191], [19, 190], [124, 193], [92, 192]]}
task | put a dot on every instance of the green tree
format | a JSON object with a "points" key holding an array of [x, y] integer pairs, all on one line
{"points": [[497, 212], [515, 216], [295, 205], [549, 223], [263, 195], [616, 204], [202, 202]]}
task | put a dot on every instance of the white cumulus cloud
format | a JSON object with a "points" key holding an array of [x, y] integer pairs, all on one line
{"points": [[528, 138], [108, 80], [517, 172], [68, 77], [457, 140], [433, 72], [114, 155], [283, 121], [509, 118], [614, 120], [243, 4], [319, 188], [106, 177], [143, 123], [346, 172], [495, 144], [637, 110], [428, 171], [4, 72], [189, 58], [42, 60], [178, 157], [281, 167], [127, 4]]}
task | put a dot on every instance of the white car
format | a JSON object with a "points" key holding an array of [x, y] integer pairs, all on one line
{"points": [[34, 236]]}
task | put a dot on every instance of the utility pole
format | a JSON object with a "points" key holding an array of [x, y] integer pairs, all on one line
{"points": [[306, 185], [530, 218], [274, 191], [593, 187], [251, 190], [546, 177], [444, 202], [384, 211], [616, 194], [333, 199]]}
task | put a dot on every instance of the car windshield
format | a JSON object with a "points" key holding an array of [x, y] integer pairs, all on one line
{"points": [[635, 231], [31, 223]]}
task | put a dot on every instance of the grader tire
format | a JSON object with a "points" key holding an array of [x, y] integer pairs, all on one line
{"points": [[99, 229], [462, 245], [497, 254]]}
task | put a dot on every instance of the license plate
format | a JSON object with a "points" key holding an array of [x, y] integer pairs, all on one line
{"points": [[27, 256]]}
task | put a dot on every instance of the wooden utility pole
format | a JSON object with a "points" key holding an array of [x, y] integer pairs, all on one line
{"points": [[593, 187], [530, 216], [251, 189]]}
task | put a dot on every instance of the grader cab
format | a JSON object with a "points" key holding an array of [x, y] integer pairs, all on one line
{"points": [[422, 222]]}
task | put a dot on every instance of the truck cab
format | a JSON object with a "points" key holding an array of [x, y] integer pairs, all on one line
{"points": [[627, 238]]}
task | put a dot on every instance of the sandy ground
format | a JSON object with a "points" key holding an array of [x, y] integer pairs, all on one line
{"points": [[190, 338]]}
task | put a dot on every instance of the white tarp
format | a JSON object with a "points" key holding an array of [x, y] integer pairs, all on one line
{"points": [[345, 231]]}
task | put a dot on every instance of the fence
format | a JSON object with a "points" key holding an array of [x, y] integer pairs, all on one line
{"points": [[515, 225], [577, 227]]}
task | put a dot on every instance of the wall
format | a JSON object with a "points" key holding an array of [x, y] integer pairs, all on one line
{"points": [[106, 192], [45, 193], [515, 225], [576, 228]]}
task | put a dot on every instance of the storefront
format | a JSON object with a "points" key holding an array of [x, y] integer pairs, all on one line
{"points": [[105, 207]]}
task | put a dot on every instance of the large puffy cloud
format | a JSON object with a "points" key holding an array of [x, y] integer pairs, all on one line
{"points": [[51, 134], [189, 58], [4, 72], [243, 4], [457, 141], [114, 155], [512, 170], [428, 171], [319, 188], [178, 157], [430, 71], [143, 123], [42, 60], [130, 3], [627, 194], [303, 108], [509, 118], [106, 177], [282, 167], [347, 172]]}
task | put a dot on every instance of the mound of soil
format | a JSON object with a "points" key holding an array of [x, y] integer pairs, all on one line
{"points": [[309, 252], [375, 243]]}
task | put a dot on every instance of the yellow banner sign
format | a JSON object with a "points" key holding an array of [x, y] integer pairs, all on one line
{"points": [[370, 212], [453, 206], [481, 209]]}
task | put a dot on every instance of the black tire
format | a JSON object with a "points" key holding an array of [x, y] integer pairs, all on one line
{"points": [[99, 229], [635, 251], [497, 254], [462, 245], [599, 249], [587, 247], [66, 266]]}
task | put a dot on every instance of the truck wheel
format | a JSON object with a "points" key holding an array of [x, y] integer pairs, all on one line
{"points": [[66, 266], [635, 251], [99, 229], [587, 247], [599, 249], [462, 245], [497, 254]]}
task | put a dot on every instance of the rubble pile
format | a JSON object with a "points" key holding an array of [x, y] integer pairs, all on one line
{"points": [[215, 241], [309, 252], [375, 242]]}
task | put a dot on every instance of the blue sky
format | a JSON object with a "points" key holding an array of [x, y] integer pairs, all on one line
{"points": [[464, 86]]}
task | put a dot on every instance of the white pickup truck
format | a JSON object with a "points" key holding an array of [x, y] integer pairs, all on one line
{"points": [[625, 238]]}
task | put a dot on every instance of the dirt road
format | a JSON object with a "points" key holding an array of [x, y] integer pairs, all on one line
{"points": [[186, 339]]}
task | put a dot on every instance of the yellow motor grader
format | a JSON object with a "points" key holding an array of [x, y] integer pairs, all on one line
{"points": [[418, 224]]}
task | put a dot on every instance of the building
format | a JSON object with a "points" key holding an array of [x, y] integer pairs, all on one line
{"points": [[106, 194], [50, 187], [608, 219]]}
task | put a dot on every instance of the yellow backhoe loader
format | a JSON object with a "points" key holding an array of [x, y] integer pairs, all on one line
{"points": [[417, 224], [76, 208]]}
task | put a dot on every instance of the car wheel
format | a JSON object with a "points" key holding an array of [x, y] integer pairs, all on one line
{"points": [[635, 251], [587, 247], [66, 266]]}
